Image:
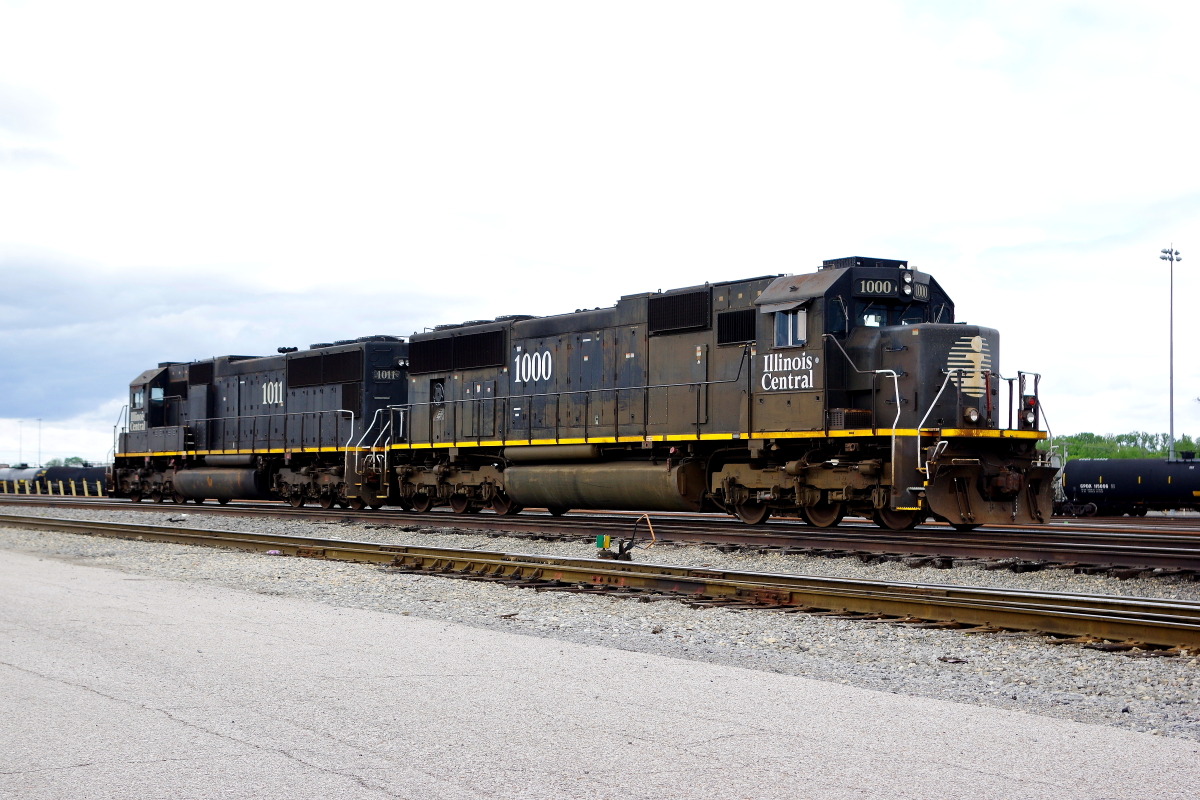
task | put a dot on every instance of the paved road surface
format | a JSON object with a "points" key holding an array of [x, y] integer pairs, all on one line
{"points": [[115, 686]]}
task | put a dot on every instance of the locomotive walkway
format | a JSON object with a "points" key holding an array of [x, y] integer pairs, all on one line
{"points": [[124, 687]]}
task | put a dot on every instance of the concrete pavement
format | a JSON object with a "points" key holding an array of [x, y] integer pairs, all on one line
{"points": [[112, 685]]}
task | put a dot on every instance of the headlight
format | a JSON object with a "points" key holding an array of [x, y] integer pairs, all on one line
{"points": [[908, 277], [971, 415], [1029, 417], [906, 289]]}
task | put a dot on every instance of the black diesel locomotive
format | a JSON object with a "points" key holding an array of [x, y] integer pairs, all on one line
{"points": [[851, 389], [279, 427], [1117, 486]]}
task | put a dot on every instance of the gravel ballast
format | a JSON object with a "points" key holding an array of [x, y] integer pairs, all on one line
{"points": [[1014, 671]]}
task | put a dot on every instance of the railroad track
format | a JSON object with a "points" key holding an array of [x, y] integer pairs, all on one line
{"points": [[1109, 549], [1104, 622]]}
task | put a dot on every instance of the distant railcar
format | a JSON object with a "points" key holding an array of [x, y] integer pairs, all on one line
{"points": [[16, 479], [1117, 486], [77, 480]]}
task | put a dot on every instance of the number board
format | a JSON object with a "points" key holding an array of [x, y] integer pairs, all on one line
{"points": [[920, 291], [876, 287]]}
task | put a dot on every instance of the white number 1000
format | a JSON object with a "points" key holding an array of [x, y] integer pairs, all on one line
{"points": [[533, 366]]}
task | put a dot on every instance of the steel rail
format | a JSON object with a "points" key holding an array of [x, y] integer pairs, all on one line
{"points": [[1156, 622], [1085, 550], [1173, 526]]}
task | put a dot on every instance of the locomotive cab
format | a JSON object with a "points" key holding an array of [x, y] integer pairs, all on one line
{"points": [[904, 390]]}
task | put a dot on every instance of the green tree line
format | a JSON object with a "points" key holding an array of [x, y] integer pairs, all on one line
{"points": [[70, 461], [1138, 444]]}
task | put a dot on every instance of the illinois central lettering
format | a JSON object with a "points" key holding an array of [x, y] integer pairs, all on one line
{"points": [[782, 372]]}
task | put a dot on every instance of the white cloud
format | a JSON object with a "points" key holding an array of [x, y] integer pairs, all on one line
{"points": [[335, 170]]}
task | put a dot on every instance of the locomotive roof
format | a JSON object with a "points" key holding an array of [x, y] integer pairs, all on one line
{"points": [[147, 376], [581, 319], [796, 289]]}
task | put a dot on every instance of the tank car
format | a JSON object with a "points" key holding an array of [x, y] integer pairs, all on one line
{"points": [[1117, 486], [298, 426], [848, 389], [76, 480], [52, 480], [17, 478]]}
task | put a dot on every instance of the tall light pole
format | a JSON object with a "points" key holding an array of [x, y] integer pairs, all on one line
{"points": [[1171, 255]]}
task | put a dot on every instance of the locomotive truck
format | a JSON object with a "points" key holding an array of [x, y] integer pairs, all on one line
{"points": [[851, 389]]}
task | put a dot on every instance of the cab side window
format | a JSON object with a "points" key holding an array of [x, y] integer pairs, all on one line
{"points": [[835, 316], [139, 398], [791, 328], [871, 315]]}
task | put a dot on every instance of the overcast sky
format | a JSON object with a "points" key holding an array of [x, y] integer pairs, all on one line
{"points": [[180, 181]]}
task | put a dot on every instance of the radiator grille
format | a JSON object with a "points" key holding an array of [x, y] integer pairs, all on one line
{"points": [[680, 312], [479, 350], [304, 371], [737, 326], [433, 355], [342, 367]]}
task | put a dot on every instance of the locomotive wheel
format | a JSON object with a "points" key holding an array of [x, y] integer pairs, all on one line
{"points": [[1141, 512], [823, 515], [503, 505], [753, 513], [896, 520], [223, 501], [135, 497], [375, 506], [198, 501], [156, 496], [326, 501], [460, 504], [557, 511], [356, 504], [421, 502], [178, 498], [296, 500], [1090, 510]]}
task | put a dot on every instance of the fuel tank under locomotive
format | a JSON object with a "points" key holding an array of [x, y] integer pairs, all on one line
{"points": [[220, 484], [618, 485]]}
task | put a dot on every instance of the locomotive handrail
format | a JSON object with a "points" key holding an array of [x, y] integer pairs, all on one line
{"points": [[895, 384], [616, 390], [358, 445], [921, 425], [254, 439]]}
